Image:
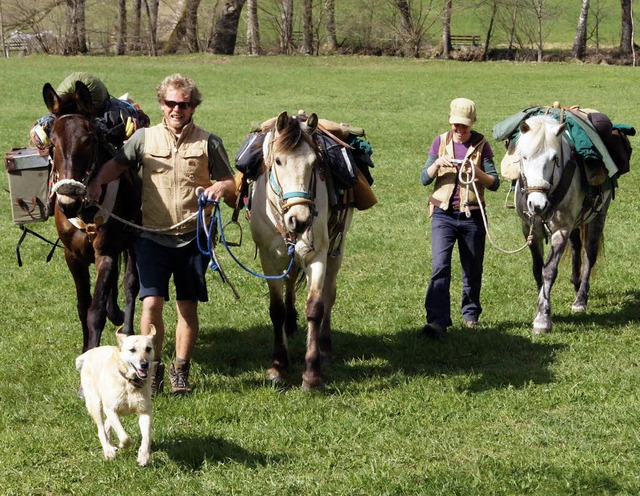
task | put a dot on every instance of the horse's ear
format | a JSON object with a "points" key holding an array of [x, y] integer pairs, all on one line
{"points": [[524, 127], [561, 128], [312, 123], [282, 121], [51, 98], [82, 97]]}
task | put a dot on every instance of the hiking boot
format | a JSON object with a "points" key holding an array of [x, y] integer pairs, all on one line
{"points": [[157, 377], [179, 376], [434, 331]]}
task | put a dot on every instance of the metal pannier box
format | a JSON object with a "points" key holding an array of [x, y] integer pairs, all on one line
{"points": [[28, 183]]}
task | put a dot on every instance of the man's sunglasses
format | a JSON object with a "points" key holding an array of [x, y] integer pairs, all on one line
{"points": [[182, 105]]}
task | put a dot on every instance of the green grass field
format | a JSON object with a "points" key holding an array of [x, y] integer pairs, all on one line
{"points": [[486, 412]]}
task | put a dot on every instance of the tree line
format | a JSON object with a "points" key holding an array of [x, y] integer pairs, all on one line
{"points": [[410, 28]]}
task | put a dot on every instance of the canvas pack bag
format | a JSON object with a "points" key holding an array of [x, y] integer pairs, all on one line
{"points": [[28, 172]]}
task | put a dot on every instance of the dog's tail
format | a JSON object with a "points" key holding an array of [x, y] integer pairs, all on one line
{"points": [[80, 362]]}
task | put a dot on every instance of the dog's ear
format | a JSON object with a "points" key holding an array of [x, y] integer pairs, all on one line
{"points": [[120, 336], [152, 331]]}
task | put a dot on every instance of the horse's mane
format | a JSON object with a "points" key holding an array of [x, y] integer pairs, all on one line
{"points": [[539, 137], [289, 137]]}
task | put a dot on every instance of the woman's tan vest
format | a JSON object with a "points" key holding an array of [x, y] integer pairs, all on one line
{"points": [[171, 172], [447, 177]]}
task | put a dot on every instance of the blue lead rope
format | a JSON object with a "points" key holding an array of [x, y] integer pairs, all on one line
{"points": [[208, 249], [216, 219]]}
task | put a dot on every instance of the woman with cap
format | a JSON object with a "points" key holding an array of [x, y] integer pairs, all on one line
{"points": [[454, 209]]}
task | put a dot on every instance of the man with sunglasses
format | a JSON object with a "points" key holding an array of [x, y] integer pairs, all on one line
{"points": [[175, 158]]}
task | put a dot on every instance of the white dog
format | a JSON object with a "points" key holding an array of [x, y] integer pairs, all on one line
{"points": [[115, 381]]}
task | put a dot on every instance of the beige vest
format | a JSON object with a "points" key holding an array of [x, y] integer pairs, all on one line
{"points": [[447, 177], [171, 172]]}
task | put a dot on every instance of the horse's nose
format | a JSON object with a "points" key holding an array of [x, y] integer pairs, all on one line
{"points": [[537, 204], [297, 224], [69, 205]]}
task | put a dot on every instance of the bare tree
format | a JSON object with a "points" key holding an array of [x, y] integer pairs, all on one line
{"points": [[76, 37], [136, 27], [253, 28], [489, 33], [151, 7], [538, 9], [413, 23], [580, 43], [530, 25], [446, 28], [4, 48], [191, 25], [286, 31], [178, 32], [626, 36], [307, 27], [185, 28], [330, 12], [121, 43], [226, 28]]}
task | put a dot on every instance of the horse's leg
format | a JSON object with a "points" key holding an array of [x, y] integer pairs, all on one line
{"points": [[542, 322], [592, 237], [114, 313], [80, 272], [312, 377], [536, 247], [131, 290], [575, 241], [329, 297], [291, 314], [278, 312], [106, 278]]}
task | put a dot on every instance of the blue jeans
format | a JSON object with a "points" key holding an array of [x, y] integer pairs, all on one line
{"points": [[447, 227]]}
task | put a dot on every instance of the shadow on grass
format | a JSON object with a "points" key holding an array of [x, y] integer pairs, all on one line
{"points": [[193, 453], [627, 311], [493, 357], [489, 357]]}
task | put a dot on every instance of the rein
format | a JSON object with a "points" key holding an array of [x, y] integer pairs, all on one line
{"points": [[216, 223], [469, 182]]}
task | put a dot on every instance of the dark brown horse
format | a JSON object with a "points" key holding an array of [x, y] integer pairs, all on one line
{"points": [[88, 232]]}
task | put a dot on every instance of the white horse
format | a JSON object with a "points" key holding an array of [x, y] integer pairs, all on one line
{"points": [[554, 200], [294, 227]]}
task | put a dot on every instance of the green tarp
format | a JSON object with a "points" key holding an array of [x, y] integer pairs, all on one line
{"points": [[583, 135]]}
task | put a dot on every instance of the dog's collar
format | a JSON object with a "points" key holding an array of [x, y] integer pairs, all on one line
{"points": [[136, 381]]}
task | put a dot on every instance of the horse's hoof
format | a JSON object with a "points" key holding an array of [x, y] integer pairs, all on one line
{"points": [[312, 383], [540, 330], [578, 308], [310, 388], [275, 376]]}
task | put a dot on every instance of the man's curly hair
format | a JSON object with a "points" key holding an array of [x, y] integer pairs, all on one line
{"points": [[180, 83]]}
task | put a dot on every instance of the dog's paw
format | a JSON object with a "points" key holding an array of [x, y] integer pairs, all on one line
{"points": [[125, 442], [143, 458], [110, 452]]}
